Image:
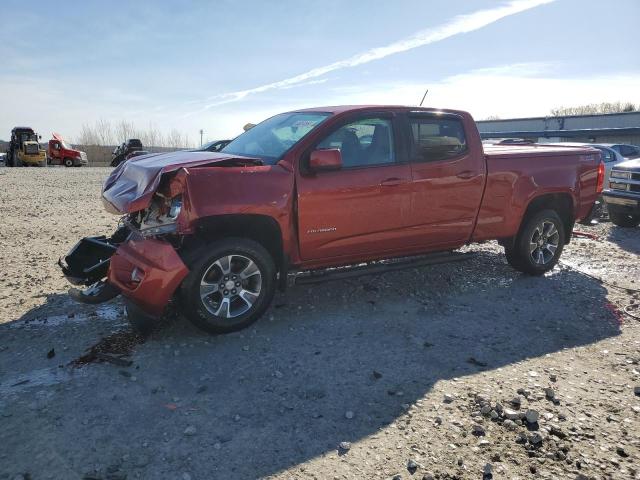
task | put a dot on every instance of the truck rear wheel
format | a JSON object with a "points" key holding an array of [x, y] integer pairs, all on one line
{"points": [[230, 285], [626, 220], [539, 244]]}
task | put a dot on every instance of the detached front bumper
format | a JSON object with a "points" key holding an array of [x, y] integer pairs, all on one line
{"points": [[147, 272]]}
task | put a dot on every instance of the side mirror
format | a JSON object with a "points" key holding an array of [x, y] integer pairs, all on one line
{"points": [[325, 160]]}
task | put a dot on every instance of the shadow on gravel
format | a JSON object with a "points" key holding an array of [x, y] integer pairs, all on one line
{"points": [[625, 238], [275, 396]]}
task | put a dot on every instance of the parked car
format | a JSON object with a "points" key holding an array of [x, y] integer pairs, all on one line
{"points": [[622, 194], [627, 151], [60, 152], [214, 146], [299, 194], [120, 153]]}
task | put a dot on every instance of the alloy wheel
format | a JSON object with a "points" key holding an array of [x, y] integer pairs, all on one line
{"points": [[544, 242], [230, 286]]}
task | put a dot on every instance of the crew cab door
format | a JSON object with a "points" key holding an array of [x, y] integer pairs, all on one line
{"points": [[362, 208], [448, 175]]}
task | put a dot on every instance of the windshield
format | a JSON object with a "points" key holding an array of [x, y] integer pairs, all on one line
{"points": [[29, 137], [271, 139]]}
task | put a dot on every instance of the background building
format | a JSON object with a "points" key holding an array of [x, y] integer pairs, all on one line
{"points": [[602, 128]]}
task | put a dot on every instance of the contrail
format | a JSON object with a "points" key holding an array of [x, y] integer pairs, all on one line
{"points": [[459, 24]]}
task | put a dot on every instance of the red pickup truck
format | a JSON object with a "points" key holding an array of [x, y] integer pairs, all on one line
{"points": [[322, 192]]}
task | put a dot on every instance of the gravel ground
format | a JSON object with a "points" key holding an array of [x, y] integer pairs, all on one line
{"points": [[425, 373]]}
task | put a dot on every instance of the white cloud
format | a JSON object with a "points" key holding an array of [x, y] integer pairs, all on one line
{"points": [[458, 25], [515, 90]]}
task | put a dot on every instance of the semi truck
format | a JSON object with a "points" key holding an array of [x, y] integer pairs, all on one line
{"points": [[59, 152]]}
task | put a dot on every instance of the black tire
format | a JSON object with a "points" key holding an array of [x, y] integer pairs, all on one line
{"points": [[68, 162], [16, 160], [625, 220], [205, 272], [535, 229]]}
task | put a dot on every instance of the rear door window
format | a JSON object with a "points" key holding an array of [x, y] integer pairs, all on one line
{"points": [[434, 139]]}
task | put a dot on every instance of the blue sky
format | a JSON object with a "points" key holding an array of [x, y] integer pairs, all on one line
{"points": [[218, 65]]}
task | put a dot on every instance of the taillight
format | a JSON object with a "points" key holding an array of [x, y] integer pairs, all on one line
{"points": [[600, 184]]}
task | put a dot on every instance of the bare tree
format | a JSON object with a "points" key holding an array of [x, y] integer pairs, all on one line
{"points": [[87, 136], [124, 131], [595, 108], [186, 142], [104, 132], [174, 139], [151, 137]]}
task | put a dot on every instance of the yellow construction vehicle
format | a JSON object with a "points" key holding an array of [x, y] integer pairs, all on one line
{"points": [[24, 149]]}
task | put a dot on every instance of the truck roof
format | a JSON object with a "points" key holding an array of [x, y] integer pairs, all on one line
{"points": [[22, 128], [347, 108]]}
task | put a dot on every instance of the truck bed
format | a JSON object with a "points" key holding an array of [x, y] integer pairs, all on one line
{"points": [[516, 173]]}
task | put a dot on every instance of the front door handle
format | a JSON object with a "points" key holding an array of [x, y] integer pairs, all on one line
{"points": [[466, 174], [392, 182]]}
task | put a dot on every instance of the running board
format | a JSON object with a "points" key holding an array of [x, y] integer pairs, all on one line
{"points": [[373, 268]]}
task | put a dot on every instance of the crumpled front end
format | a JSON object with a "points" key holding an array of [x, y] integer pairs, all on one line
{"points": [[144, 265], [140, 261]]}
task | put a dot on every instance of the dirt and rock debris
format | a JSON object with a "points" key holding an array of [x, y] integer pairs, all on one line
{"points": [[462, 371]]}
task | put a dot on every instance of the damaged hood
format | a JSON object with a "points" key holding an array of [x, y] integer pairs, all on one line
{"points": [[132, 184]]}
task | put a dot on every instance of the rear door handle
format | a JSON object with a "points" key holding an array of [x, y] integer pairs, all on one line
{"points": [[392, 182], [466, 174]]}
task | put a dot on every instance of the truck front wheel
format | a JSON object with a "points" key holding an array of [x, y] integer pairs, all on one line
{"points": [[539, 243], [68, 162], [626, 220], [230, 285]]}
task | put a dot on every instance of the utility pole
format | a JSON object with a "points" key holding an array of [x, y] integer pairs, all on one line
{"points": [[201, 133]]}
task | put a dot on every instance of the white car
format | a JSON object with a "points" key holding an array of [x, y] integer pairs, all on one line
{"points": [[626, 150]]}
